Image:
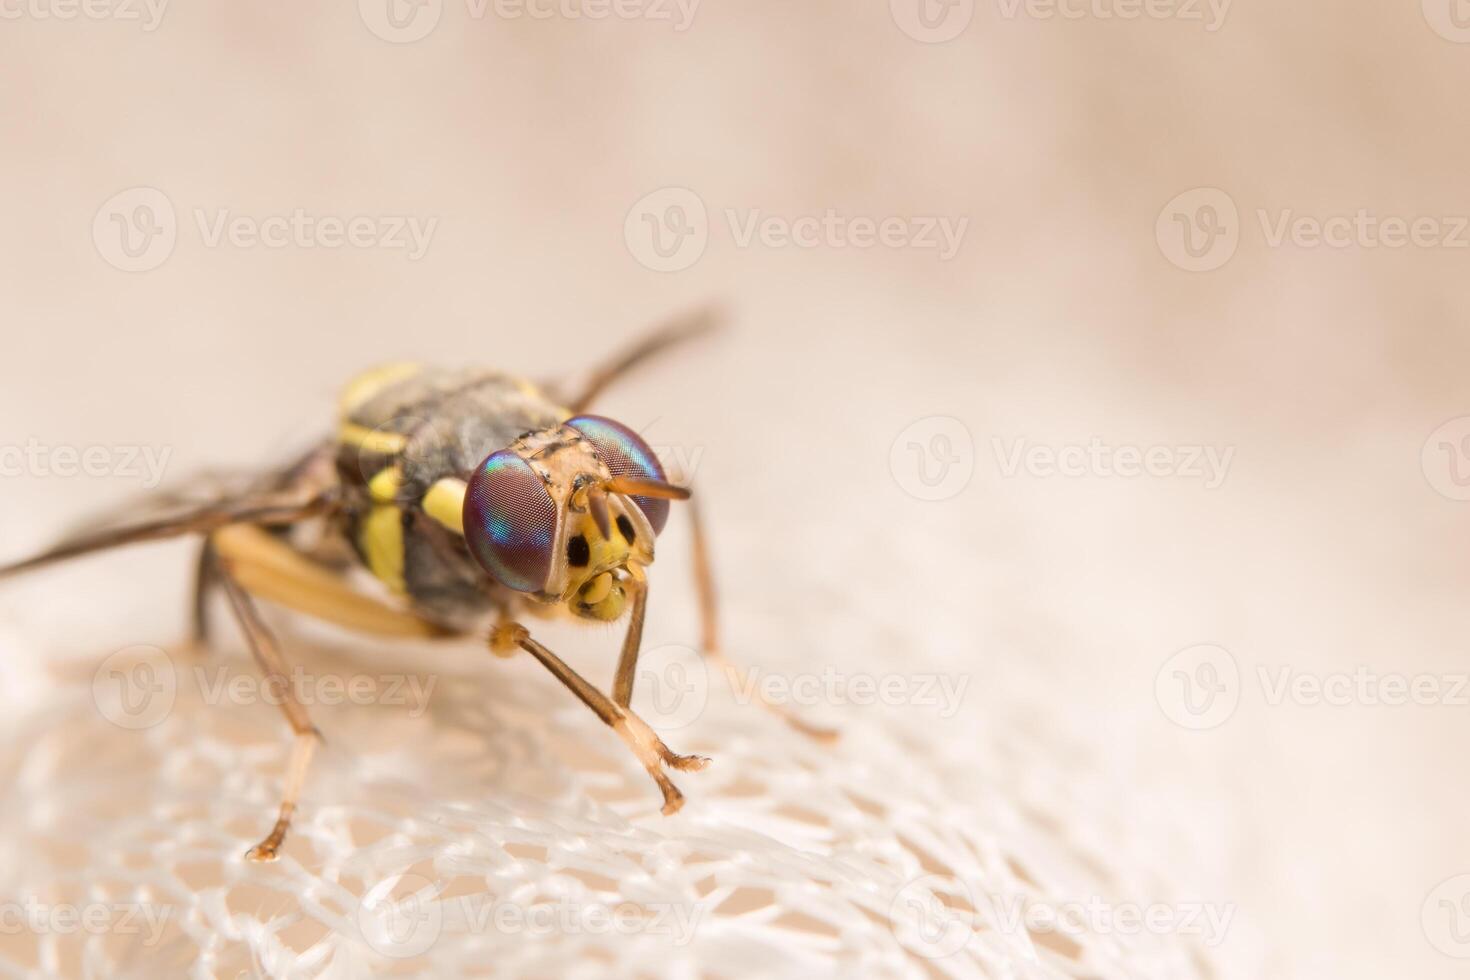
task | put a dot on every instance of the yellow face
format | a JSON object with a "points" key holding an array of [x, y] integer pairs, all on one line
{"points": [[598, 568]]}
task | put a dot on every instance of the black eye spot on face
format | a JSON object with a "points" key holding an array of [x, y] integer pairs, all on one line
{"points": [[578, 554], [626, 526]]}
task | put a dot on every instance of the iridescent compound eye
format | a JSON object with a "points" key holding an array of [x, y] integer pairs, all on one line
{"points": [[624, 453], [510, 522]]}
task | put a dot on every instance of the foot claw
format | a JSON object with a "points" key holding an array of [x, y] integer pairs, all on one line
{"points": [[673, 800], [686, 763], [270, 848]]}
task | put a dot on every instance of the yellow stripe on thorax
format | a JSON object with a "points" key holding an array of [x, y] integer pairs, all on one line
{"points": [[380, 536], [445, 503], [367, 384], [357, 393], [380, 442], [384, 485]]}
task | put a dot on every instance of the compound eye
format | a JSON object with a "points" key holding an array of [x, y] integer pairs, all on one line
{"points": [[510, 522], [625, 453]]}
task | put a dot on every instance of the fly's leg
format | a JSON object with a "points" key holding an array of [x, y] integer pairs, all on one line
{"points": [[206, 577], [704, 586], [269, 568], [669, 335], [645, 743], [267, 655], [632, 640], [248, 561]]}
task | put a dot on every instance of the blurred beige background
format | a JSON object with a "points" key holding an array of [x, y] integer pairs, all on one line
{"points": [[521, 148]]}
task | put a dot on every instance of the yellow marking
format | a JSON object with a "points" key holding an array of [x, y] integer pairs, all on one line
{"points": [[379, 441], [603, 553], [269, 568], [445, 503], [381, 538], [611, 607], [369, 383], [383, 487], [597, 589]]}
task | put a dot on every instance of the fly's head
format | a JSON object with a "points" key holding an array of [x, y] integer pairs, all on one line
{"points": [[569, 515]]}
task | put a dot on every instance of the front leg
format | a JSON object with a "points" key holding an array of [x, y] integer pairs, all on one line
{"points": [[634, 731]]}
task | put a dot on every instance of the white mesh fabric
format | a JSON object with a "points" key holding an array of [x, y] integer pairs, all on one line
{"points": [[501, 829]]}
